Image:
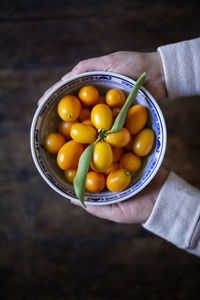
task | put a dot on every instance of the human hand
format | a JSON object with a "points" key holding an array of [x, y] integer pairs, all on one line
{"points": [[134, 210], [131, 64]]}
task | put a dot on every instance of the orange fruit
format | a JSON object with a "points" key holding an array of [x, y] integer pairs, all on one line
{"points": [[88, 122], [112, 168], [119, 138], [84, 114], [102, 157], [95, 182], [115, 97], [143, 142], [53, 142], [69, 108], [115, 111], [101, 116], [83, 134], [88, 95], [64, 128], [117, 153], [129, 146], [70, 175], [130, 162], [136, 118], [118, 180], [101, 100], [69, 154]]}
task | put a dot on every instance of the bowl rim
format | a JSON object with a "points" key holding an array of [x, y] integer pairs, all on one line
{"points": [[49, 93]]}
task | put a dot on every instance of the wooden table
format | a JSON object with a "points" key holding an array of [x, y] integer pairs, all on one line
{"points": [[50, 249]]}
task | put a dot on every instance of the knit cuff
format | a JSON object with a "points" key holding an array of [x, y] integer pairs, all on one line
{"points": [[181, 66], [176, 213]]}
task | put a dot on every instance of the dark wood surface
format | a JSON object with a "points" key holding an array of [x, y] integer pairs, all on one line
{"points": [[50, 249]]}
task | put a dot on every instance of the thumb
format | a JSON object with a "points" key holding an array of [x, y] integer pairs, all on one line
{"points": [[92, 64]]}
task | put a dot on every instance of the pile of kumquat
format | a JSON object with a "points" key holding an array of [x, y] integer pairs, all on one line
{"points": [[87, 118]]}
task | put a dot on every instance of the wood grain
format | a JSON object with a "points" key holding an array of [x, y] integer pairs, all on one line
{"points": [[51, 249]]}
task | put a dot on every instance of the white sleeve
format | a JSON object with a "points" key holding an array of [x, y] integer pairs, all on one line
{"points": [[181, 64], [176, 214]]}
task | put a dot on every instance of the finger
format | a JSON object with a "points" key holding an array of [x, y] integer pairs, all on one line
{"points": [[42, 98], [100, 211], [47, 91], [104, 211], [77, 203], [67, 76], [92, 64]]}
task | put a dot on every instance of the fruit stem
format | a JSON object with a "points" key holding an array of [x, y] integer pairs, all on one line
{"points": [[96, 140], [107, 133], [127, 173], [101, 133]]}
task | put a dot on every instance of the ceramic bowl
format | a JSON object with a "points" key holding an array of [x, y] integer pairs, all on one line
{"points": [[46, 121]]}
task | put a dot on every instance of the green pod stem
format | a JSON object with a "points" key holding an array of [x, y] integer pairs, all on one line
{"points": [[80, 178], [119, 121]]}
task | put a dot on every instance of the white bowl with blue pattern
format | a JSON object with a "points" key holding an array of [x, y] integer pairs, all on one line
{"points": [[46, 121]]}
